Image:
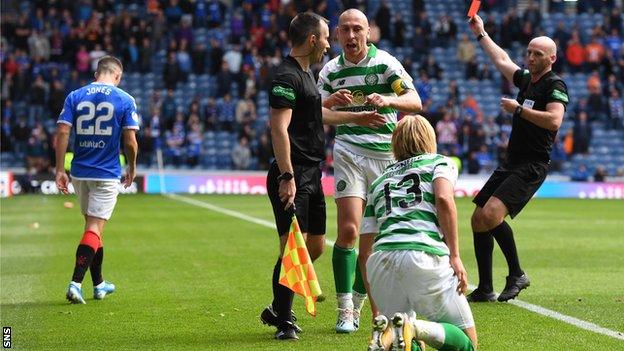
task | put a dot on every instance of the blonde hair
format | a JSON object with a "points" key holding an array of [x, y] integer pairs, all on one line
{"points": [[413, 136]]}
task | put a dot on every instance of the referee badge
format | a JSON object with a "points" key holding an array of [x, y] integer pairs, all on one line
{"points": [[371, 79]]}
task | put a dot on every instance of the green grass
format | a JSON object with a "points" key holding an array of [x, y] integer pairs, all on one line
{"points": [[190, 278]]}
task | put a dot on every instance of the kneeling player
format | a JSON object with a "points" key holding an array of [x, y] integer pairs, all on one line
{"points": [[416, 266]]}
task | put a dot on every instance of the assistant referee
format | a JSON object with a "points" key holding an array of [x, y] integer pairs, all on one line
{"points": [[294, 178], [537, 115]]}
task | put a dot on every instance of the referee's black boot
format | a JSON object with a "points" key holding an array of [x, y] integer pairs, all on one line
{"points": [[513, 287], [269, 316], [478, 295], [286, 331]]}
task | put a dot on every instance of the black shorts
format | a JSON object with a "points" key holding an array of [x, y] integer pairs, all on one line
{"points": [[514, 185], [309, 200]]}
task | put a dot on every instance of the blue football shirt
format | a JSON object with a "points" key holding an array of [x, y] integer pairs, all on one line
{"points": [[98, 113]]}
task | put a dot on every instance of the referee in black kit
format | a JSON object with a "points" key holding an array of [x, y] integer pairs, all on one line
{"points": [[537, 115], [294, 178]]}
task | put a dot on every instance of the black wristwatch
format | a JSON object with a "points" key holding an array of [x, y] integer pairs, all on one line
{"points": [[518, 110], [285, 176], [481, 36]]}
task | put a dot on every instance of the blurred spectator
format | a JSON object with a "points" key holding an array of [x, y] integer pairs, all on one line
{"points": [[472, 68], [216, 56], [37, 150], [194, 142], [226, 112], [245, 110], [568, 143], [431, 68], [473, 163], [168, 109], [596, 102], [447, 134], [527, 33], [241, 154], [264, 151], [420, 44], [174, 140], [375, 33], [131, 56], [56, 99], [582, 134], [575, 54], [6, 140], [485, 159], [399, 30], [614, 42], [95, 55], [532, 14], [225, 79], [382, 18], [171, 72], [234, 58], [210, 114], [147, 146], [581, 174], [484, 72], [38, 93], [616, 111], [184, 60], [465, 49], [491, 131], [557, 156], [445, 30], [145, 55], [562, 35], [595, 52], [424, 90], [600, 174], [198, 57]]}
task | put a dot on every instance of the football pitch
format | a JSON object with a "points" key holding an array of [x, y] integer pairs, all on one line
{"points": [[195, 275]]}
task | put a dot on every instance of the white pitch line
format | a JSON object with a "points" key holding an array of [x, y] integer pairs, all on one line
{"points": [[528, 306]]}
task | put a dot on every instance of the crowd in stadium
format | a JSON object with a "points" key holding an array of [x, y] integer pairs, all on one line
{"points": [[49, 48]]}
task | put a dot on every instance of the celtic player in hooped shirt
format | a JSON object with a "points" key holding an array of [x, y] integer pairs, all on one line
{"points": [[415, 265], [362, 78], [101, 116]]}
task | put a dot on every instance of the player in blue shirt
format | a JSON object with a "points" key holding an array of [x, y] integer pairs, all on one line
{"points": [[100, 115]]}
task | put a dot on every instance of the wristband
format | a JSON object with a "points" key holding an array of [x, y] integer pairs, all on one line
{"points": [[285, 176], [518, 110], [481, 36]]}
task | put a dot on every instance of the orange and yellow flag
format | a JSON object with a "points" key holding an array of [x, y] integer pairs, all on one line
{"points": [[297, 271]]}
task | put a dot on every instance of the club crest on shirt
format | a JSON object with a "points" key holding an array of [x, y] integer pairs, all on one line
{"points": [[371, 79], [341, 185]]}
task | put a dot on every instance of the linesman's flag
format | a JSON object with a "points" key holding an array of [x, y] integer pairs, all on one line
{"points": [[297, 271]]}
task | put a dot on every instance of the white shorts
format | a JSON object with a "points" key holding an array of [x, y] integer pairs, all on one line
{"points": [[410, 280], [97, 197]]}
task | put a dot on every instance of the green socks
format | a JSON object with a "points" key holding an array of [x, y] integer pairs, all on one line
{"points": [[455, 339], [344, 262], [358, 285]]}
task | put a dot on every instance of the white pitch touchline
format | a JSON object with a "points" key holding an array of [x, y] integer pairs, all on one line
{"points": [[528, 306]]}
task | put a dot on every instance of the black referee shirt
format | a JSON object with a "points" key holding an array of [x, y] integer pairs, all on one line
{"points": [[529, 142], [295, 89]]}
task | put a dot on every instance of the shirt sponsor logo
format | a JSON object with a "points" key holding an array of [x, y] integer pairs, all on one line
{"points": [[288, 93], [92, 144], [341, 82]]}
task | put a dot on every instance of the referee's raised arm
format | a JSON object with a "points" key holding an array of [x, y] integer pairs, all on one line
{"points": [[499, 57]]}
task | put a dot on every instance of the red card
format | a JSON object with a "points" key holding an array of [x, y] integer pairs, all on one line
{"points": [[474, 8]]}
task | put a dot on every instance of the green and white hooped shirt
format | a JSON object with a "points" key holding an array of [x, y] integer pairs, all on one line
{"points": [[378, 72], [401, 205]]}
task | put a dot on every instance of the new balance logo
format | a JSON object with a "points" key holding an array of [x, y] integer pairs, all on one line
{"points": [[342, 81]]}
